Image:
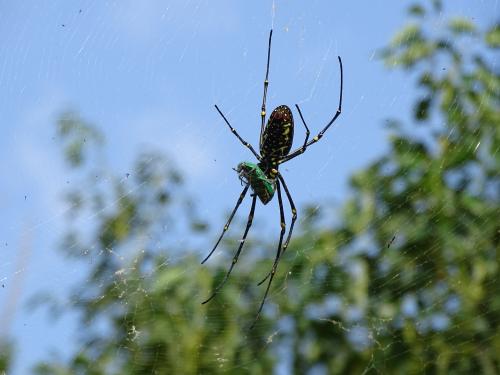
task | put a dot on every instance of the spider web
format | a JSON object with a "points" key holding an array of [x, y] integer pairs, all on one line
{"points": [[147, 75]]}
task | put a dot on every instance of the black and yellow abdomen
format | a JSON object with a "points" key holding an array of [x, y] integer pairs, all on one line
{"points": [[277, 137]]}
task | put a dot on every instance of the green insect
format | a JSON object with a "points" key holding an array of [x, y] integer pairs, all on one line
{"points": [[264, 178]]}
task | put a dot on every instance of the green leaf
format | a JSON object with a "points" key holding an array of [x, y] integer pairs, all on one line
{"points": [[421, 109], [492, 37], [167, 279], [460, 25], [409, 35], [417, 10], [77, 135]]}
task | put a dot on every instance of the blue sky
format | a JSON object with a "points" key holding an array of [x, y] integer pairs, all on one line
{"points": [[148, 73]]}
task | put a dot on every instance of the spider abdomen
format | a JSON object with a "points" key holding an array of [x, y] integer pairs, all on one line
{"points": [[277, 137]]}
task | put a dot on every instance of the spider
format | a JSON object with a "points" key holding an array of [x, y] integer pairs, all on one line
{"points": [[263, 178]]}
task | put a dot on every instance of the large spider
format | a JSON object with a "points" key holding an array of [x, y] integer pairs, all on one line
{"points": [[276, 139]]}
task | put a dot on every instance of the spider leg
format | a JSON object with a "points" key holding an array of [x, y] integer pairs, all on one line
{"points": [[264, 96], [240, 199], [278, 253], [294, 218], [304, 122], [233, 130], [235, 258], [300, 150]]}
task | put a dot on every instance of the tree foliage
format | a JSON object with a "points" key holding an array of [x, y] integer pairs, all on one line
{"points": [[406, 282], [413, 267]]}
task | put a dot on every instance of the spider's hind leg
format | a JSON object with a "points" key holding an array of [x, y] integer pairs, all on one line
{"points": [[308, 133], [233, 130], [264, 95], [315, 139]]}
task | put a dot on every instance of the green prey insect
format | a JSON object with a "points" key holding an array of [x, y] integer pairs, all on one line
{"points": [[251, 174], [275, 143]]}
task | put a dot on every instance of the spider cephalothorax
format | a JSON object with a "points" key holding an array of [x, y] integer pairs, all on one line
{"points": [[275, 143]]}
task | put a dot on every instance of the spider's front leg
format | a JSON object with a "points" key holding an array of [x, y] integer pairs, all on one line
{"points": [[236, 256], [278, 253], [294, 218], [226, 227]]}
